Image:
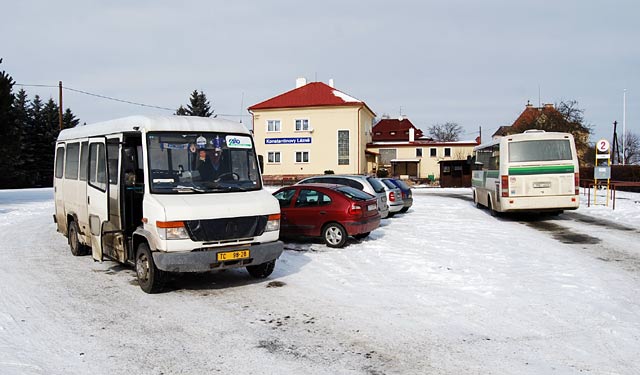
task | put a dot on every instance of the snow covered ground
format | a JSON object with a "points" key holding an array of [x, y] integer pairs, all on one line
{"points": [[443, 289]]}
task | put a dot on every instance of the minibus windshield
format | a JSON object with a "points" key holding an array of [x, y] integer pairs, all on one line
{"points": [[201, 162]]}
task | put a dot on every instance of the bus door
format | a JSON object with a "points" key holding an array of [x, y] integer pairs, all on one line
{"points": [[97, 194]]}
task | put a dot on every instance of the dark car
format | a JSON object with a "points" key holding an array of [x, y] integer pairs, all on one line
{"points": [[407, 197], [333, 212]]}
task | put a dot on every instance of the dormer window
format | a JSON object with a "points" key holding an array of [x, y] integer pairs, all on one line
{"points": [[392, 133]]}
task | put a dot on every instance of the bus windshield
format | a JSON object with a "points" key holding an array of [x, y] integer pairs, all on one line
{"points": [[201, 162], [540, 150]]}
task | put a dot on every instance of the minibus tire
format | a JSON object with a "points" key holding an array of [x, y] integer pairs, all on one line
{"points": [[263, 270], [77, 249], [150, 278]]}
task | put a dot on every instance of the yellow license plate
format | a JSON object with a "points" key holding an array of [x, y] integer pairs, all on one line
{"points": [[233, 255]]}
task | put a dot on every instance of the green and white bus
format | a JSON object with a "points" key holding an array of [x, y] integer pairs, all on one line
{"points": [[534, 171]]}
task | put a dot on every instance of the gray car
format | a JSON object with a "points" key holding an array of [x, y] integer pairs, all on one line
{"points": [[367, 184]]}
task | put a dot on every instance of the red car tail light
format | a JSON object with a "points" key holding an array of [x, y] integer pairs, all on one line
{"points": [[355, 210]]}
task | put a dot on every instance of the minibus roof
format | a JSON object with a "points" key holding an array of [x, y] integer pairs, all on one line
{"points": [[153, 123]]}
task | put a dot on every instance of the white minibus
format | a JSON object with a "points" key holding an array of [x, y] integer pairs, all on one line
{"points": [[534, 171], [166, 194]]}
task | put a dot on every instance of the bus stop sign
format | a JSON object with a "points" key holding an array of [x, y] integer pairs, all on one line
{"points": [[602, 173]]}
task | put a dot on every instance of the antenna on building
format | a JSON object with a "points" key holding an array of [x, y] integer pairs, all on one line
{"points": [[539, 97]]}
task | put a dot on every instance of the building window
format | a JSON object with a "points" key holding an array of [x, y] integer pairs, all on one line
{"points": [[447, 152], [392, 133], [343, 147], [386, 155], [273, 157], [302, 156], [302, 124], [433, 152], [419, 152], [273, 125]]}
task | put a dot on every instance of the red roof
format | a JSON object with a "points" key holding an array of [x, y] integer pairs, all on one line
{"points": [[394, 130], [313, 94]]}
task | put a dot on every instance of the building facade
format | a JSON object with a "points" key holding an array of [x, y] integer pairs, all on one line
{"points": [[404, 152], [312, 129]]}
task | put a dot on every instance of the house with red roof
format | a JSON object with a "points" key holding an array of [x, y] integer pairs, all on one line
{"points": [[405, 152], [311, 129]]}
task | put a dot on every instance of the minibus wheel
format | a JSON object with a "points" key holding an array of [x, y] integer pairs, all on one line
{"points": [[77, 249], [150, 278], [263, 270]]}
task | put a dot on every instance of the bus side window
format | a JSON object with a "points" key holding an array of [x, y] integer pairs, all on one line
{"points": [[59, 162], [84, 160]]}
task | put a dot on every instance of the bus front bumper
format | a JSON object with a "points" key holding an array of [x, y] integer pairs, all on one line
{"points": [[207, 259]]}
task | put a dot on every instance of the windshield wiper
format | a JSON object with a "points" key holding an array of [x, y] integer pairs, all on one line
{"points": [[183, 189]]}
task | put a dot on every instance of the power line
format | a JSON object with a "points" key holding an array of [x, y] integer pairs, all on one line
{"points": [[116, 99]]}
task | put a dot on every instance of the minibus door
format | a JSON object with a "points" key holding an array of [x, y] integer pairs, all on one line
{"points": [[97, 194]]}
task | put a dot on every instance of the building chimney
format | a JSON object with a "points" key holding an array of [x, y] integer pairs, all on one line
{"points": [[331, 82], [412, 134], [548, 105], [300, 82]]}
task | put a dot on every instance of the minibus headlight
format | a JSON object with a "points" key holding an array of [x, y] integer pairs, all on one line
{"points": [[172, 230], [273, 223]]}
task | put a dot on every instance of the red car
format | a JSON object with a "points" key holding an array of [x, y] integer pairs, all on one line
{"points": [[332, 212]]}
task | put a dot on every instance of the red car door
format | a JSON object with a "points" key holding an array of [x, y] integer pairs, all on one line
{"points": [[285, 197], [307, 213]]}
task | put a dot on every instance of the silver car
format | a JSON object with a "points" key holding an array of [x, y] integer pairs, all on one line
{"points": [[367, 184], [394, 197]]}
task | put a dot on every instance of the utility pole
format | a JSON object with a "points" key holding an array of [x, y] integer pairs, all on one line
{"points": [[624, 125], [60, 103]]}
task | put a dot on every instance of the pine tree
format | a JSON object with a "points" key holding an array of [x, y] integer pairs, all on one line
{"points": [[69, 120], [22, 125], [9, 144], [50, 129], [198, 106]]}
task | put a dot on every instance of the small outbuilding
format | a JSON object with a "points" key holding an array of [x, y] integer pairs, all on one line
{"points": [[455, 173]]}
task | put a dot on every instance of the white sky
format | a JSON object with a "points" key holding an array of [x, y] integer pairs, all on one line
{"points": [[475, 63]]}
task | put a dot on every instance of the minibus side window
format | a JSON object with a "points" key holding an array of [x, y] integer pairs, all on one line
{"points": [[59, 162], [84, 158], [71, 163], [113, 153], [97, 166]]}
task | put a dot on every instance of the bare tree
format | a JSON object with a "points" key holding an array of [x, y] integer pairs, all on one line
{"points": [[631, 152], [447, 132]]}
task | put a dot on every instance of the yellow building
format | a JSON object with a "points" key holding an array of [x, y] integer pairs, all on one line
{"points": [[312, 129]]}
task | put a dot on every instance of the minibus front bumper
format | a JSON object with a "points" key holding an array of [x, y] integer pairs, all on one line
{"points": [[203, 260]]}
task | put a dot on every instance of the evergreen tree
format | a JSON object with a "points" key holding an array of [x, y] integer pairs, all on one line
{"points": [[46, 145], [9, 144], [24, 156], [69, 120], [198, 106]]}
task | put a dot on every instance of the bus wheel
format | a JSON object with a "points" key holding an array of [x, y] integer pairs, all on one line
{"points": [[490, 206], [263, 270], [150, 278], [475, 200], [77, 249]]}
